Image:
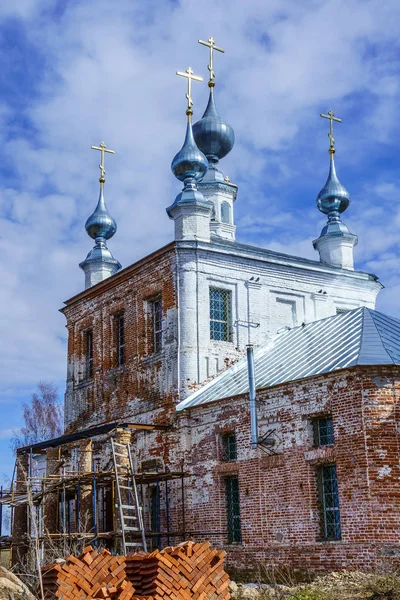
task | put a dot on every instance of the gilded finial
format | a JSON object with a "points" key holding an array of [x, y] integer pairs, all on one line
{"points": [[190, 77], [211, 44], [102, 148], [331, 118]]}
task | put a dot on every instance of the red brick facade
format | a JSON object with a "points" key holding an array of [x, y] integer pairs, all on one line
{"points": [[279, 498]]}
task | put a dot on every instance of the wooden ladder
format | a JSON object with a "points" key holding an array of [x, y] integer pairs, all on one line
{"points": [[130, 510]]}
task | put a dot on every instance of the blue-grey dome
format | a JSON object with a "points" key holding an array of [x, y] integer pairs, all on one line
{"points": [[100, 223], [214, 137], [333, 197], [190, 162]]}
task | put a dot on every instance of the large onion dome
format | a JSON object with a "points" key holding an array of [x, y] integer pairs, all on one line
{"points": [[213, 136]]}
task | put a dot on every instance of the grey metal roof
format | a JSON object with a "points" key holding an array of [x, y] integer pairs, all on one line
{"points": [[358, 337]]}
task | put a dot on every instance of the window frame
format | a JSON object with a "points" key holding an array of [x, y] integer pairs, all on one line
{"points": [[227, 321], [232, 501], [331, 530], [89, 353], [327, 437], [157, 323], [119, 331], [228, 446]]}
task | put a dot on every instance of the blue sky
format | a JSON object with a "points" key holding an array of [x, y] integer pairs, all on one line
{"points": [[75, 73]]}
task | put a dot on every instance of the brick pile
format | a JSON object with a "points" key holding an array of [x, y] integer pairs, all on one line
{"points": [[185, 572], [91, 575], [190, 571]]}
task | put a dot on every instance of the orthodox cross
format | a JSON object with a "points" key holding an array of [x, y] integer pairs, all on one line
{"points": [[189, 75], [331, 118], [211, 44], [102, 148]]}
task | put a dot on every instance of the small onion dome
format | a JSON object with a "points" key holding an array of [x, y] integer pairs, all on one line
{"points": [[333, 197], [100, 223], [214, 137], [189, 163]]}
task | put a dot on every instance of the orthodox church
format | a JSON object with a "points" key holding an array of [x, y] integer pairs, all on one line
{"points": [[157, 354]]}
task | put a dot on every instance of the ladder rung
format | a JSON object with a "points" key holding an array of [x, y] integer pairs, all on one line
{"points": [[127, 506], [122, 466], [119, 454], [118, 444], [131, 528], [129, 517], [136, 544], [124, 487]]}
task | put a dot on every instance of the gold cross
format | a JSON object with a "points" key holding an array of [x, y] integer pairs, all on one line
{"points": [[189, 75], [211, 44], [331, 118], [102, 148]]}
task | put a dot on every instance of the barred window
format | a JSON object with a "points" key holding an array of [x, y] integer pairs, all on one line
{"points": [[120, 339], [157, 325], [329, 502], [229, 448], [220, 314], [89, 353], [233, 509], [323, 432]]}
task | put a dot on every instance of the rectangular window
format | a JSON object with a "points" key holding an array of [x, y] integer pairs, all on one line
{"points": [[220, 314], [323, 432], [157, 325], [89, 354], [233, 509], [229, 449], [329, 503], [120, 339]]}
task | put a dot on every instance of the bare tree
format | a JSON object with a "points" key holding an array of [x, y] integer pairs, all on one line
{"points": [[43, 417]]}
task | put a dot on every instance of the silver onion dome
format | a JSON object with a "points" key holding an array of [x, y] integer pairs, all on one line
{"points": [[189, 162], [213, 136], [333, 198], [101, 224]]}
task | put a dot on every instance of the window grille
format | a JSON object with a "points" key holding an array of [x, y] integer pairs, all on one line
{"points": [[120, 339], [329, 503], [323, 432], [220, 314], [89, 353], [233, 509], [229, 448], [157, 325]]}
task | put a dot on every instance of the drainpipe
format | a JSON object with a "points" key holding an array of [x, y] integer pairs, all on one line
{"points": [[252, 394]]}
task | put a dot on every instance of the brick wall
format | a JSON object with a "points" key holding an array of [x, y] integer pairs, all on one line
{"points": [[278, 494], [147, 381]]}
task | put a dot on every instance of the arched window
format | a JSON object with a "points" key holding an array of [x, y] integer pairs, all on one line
{"points": [[225, 212]]}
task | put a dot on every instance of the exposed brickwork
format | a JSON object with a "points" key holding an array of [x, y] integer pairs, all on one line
{"points": [[279, 506], [146, 381], [278, 494]]}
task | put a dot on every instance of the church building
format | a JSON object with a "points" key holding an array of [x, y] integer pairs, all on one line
{"points": [[157, 359]]}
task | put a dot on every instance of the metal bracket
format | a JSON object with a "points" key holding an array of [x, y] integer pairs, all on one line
{"points": [[266, 442]]}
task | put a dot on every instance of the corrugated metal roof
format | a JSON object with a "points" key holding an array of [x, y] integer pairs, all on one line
{"points": [[358, 337]]}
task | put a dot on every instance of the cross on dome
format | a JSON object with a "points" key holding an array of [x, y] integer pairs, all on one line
{"points": [[102, 148], [190, 77], [211, 44], [331, 118]]}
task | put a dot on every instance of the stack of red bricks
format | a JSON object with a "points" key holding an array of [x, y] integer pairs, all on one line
{"points": [[91, 575], [189, 571]]}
